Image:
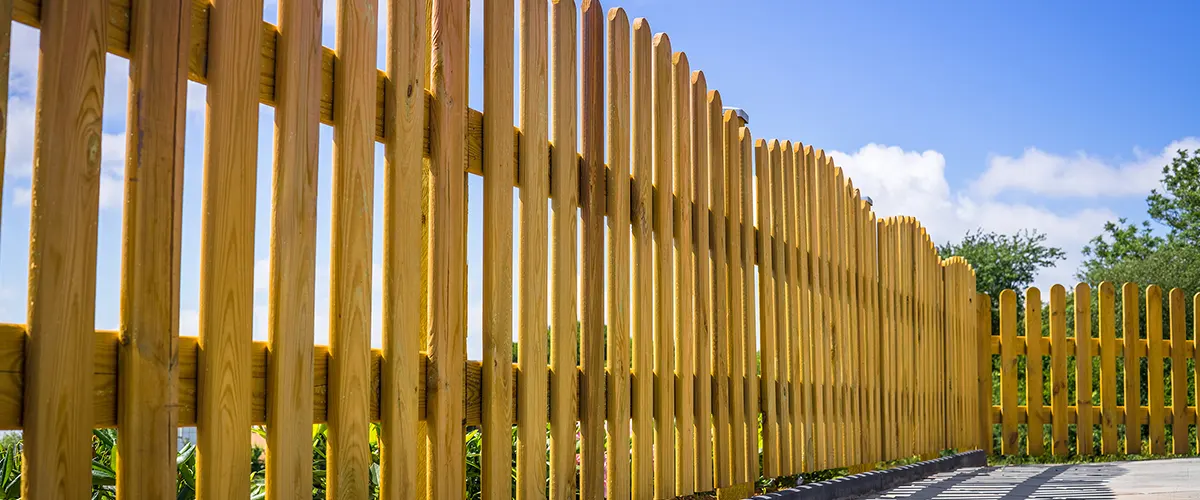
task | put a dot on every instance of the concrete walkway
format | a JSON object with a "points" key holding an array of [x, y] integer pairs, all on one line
{"points": [[1149, 480]]}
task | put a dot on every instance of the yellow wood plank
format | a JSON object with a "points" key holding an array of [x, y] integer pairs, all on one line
{"points": [[150, 250], [226, 253], [796, 314], [643, 263], [563, 310], [1008, 372], [496, 446], [534, 170], [1154, 369], [62, 252], [737, 299], [832, 249], [1196, 353], [883, 228], [909, 354], [664, 357], [818, 299], [617, 196], [1058, 370], [350, 255], [293, 253], [685, 347], [983, 326], [701, 149], [804, 356], [847, 339], [722, 351], [782, 283], [1108, 368], [750, 361], [1179, 383], [1034, 396], [1130, 327], [6, 16], [592, 295], [447, 248], [874, 326], [1083, 369], [766, 158], [402, 334]]}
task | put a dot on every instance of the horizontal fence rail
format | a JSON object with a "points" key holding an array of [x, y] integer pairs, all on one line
{"points": [[702, 310], [1118, 380]]}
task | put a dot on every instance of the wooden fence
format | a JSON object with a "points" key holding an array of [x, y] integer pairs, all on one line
{"points": [[1106, 393], [852, 345]]}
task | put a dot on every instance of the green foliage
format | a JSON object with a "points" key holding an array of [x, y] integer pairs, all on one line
{"points": [[1126, 252], [1177, 206], [1003, 261]]}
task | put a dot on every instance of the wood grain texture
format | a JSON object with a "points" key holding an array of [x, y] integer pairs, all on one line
{"points": [[150, 251], [783, 324], [399, 438], [62, 252], [819, 300], [6, 15], [750, 349], [1008, 372], [1196, 352], [664, 282], [840, 332], [1083, 369], [350, 250], [293, 251], [565, 189], [618, 200], [849, 339], [883, 371], [703, 279], [983, 327], [592, 202], [685, 285], [643, 273], [722, 351], [766, 156], [1106, 313], [1130, 327], [1154, 369], [737, 298], [534, 174], [496, 447], [1179, 383], [801, 334], [1058, 370], [227, 251], [1033, 371], [447, 249]]}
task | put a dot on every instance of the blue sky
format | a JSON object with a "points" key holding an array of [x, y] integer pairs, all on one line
{"points": [[1002, 115]]}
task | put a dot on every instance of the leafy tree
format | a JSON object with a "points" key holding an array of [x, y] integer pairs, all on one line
{"points": [[1125, 252], [1003, 261], [1177, 206]]}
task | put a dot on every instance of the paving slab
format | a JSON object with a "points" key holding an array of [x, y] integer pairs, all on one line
{"points": [[1143, 480]]}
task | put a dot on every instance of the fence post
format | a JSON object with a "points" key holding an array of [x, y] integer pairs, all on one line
{"points": [[983, 336], [148, 371]]}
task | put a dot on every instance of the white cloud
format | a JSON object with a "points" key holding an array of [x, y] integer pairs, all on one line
{"points": [[189, 323], [21, 197], [914, 183], [262, 274], [1080, 175]]}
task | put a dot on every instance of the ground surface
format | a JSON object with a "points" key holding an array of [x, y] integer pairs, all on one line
{"points": [[1144, 480]]}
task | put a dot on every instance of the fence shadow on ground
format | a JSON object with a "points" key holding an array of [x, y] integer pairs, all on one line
{"points": [[1082, 481]]}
